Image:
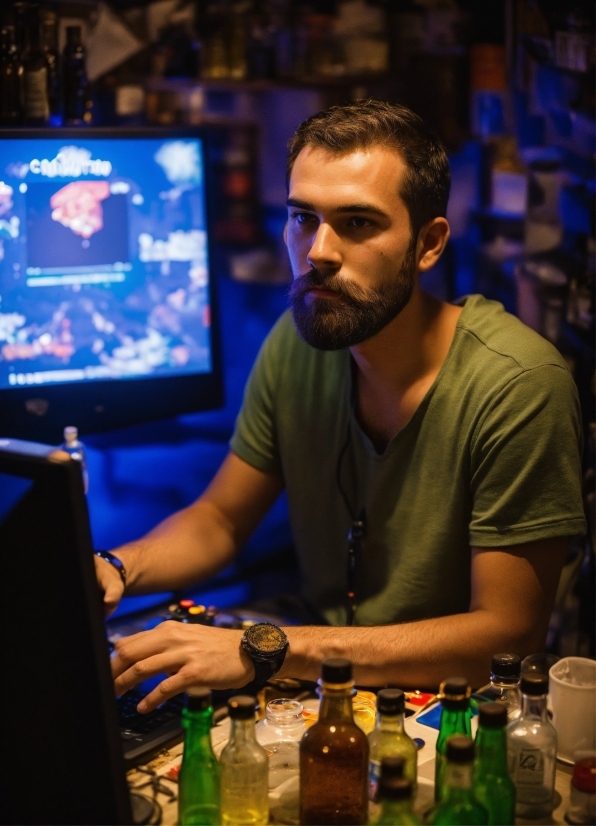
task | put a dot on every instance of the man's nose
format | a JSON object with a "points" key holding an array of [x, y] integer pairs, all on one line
{"points": [[325, 250]]}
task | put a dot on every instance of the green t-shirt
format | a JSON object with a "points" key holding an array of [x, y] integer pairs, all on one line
{"points": [[490, 459]]}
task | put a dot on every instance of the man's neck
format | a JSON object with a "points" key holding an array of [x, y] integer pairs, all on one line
{"points": [[396, 368]]}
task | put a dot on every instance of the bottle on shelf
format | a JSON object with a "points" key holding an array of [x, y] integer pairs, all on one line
{"points": [[492, 785], [198, 797], [76, 449], [244, 769], [334, 755], [11, 72], [75, 86], [458, 803], [455, 719], [36, 101], [395, 795], [532, 750], [280, 733], [505, 674], [389, 738], [49, 43]]}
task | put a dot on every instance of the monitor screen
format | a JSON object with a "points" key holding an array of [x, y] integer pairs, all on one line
{"points": [[104, 279]]}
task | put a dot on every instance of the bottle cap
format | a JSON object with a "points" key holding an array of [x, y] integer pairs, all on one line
{"points": [[455, 693], [391, 701], [242, 707], [460, 749], [336, 670], [392, 767], [492, 715], [506, 665], [395, 788], [198, 699], [534, 684]]}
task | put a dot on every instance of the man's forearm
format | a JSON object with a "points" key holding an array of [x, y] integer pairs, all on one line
{"points": [[415, 655], [189, 546]]}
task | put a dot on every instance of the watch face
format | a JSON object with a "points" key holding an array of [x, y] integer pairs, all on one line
{"points": [[266, 638]]}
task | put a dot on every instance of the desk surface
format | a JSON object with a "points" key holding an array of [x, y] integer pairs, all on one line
{"points": [[169, 759]]}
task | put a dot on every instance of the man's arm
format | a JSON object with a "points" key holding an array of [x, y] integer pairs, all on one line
{"points": [[513, 590], [198, 541]]}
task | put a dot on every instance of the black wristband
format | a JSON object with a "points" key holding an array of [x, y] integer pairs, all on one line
{"points": [[115, 562]]}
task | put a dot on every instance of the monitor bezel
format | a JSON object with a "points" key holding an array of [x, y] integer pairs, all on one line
{"points": [[40, 412]]}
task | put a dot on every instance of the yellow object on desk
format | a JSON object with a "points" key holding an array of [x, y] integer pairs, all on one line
{"points": [[365, 711]]}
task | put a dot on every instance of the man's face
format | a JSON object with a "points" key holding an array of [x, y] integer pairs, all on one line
{"points": [[349, 240]]}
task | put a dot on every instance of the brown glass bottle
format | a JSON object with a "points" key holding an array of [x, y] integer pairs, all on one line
{"points": [[334, 755]]}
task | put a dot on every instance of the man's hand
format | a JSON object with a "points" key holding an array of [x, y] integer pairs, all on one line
{"points": [[191, 654], [110, 583]]}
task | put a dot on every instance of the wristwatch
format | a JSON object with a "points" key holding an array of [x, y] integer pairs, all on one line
{"points": [[115, 562], [266, 645]]}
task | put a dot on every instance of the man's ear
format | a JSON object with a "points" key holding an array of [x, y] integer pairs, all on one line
{"points": [[432, 241]]}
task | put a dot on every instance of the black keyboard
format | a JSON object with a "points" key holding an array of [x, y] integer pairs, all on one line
{"points": [[144, 734]]}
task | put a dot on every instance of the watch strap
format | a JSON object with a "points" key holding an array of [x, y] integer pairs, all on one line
{"points": [[115, 562]]}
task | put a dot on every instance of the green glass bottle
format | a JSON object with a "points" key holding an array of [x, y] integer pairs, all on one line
{"points": [[458, 805], [244, 770], [394, 795], [455, 719], [389, 738], [492, 785], [198, 800]]}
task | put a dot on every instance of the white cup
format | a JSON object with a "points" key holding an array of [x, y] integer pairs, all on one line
{"points": [[574, 705]]}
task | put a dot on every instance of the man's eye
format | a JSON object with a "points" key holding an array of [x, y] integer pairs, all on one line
{"points": [[359, 223], [303, 217]]}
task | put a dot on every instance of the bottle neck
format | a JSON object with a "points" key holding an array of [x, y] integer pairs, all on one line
{"points": [[34, 34], [243, 731], [458, 779], [394, 807], [198, 723], [336, 704], [491, 750], [390, 722], [504, 682], [534, 707], [456, 719]]}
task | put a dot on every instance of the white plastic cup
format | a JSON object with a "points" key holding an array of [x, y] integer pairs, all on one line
{"points": [[574, 706]]}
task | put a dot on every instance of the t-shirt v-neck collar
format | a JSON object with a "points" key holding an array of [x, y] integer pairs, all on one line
{"points": [[403, 433]]}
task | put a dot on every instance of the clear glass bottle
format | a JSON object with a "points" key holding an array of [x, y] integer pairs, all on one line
{"points": [[49, 42], [492, 785], [395, 795], [36, 102], [334, 755], [280, 733], [505, 672], [389, 738], [458, 804], [76, 449], [532, 750], [198, 798], [244, 769], [455, 719]]}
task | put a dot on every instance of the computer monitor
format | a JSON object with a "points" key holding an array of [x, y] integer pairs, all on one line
{"points": [[61, 749], [107, 301]]}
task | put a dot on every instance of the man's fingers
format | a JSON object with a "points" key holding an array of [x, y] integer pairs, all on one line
{"points": [[169, 687], [142, 670]]}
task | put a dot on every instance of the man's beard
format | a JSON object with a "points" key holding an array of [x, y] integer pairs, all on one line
{"points": [[357, 315]]}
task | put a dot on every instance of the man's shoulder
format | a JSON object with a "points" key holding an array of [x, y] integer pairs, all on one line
{"points": [[501, 341]]}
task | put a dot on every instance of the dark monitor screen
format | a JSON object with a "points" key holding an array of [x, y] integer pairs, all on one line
{"points": [[106, 296], [61, 750]]}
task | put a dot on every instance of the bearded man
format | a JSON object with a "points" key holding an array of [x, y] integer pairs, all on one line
{"points": [[442, 438]]}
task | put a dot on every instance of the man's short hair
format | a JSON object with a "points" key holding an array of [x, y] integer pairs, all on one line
{"points": [[367, 123]]}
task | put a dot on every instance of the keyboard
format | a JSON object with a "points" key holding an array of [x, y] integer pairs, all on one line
{"points": [[145, 734]]}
